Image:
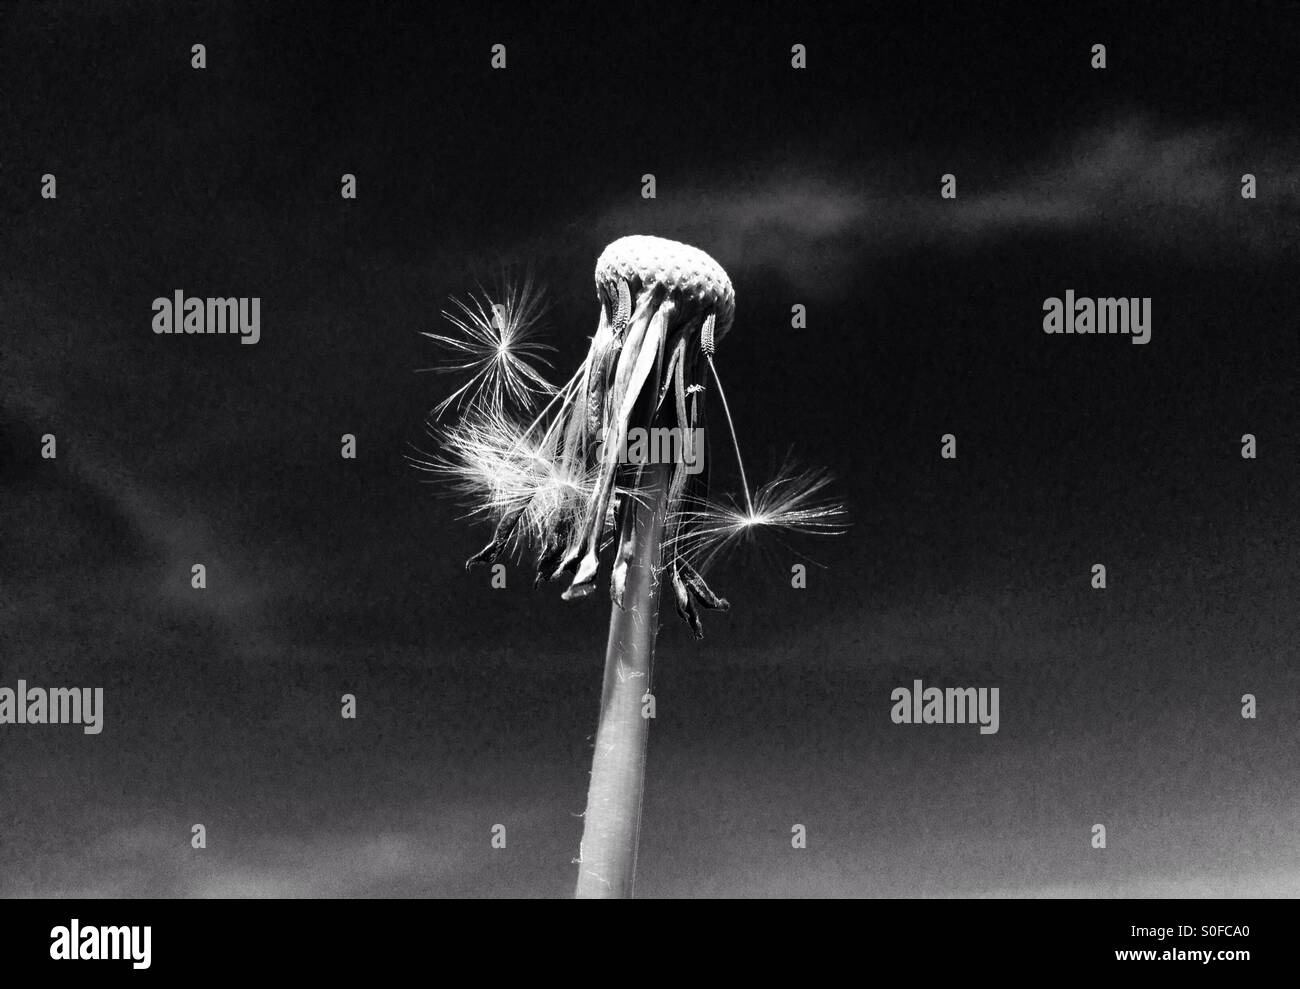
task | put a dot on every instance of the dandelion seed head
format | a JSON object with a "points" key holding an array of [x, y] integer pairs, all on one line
{"points": [[546, 465]]}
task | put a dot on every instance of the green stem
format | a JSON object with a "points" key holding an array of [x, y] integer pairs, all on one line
{"points": [[612, 822]]}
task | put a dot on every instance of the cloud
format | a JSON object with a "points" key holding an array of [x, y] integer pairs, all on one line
{"points": [[416, 849], [1159, 189]]}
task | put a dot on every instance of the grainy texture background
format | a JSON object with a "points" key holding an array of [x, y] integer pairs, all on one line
{"points": [[818, 187]]}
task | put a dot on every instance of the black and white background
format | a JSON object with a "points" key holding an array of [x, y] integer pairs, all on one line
{"points": [[817, 187]]}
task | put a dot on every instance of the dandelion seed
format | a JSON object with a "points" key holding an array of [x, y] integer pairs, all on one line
{"points": [[496, 345], [512, 474], [793, 502]]}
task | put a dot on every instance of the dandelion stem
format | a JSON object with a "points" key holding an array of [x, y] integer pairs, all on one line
{"points": [[612, 823]]}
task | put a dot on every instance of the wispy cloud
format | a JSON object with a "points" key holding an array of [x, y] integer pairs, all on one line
{"points": [[1163, 189], [418, 849]]}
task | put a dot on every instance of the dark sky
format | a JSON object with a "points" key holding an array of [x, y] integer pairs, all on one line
{"points": [[818, 187]]}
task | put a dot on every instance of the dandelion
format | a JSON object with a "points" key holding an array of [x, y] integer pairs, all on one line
{"points": [[555, 484]]}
